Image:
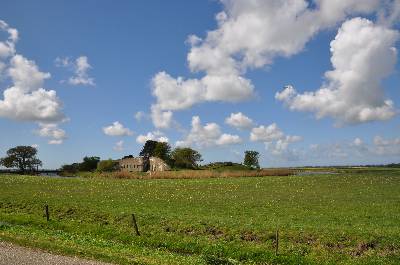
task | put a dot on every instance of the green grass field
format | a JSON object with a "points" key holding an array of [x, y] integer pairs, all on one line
{"points": [[347, 218]]}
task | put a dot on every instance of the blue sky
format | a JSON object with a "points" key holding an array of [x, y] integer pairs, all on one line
{"points": [[108, 61]]}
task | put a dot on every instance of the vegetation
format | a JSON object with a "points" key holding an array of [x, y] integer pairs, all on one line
{"points": [[189, 174], [345, 218], [107, 166], [89, 164], [179, 158], [185, 158], [21, 157], [225, 166], [148, 148], [163, 151], [70, 169], [251, 159]]}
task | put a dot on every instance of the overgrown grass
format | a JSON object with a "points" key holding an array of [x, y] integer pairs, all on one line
{"points": [[349, 218]]}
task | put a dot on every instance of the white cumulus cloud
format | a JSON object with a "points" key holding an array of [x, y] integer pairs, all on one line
{"points": [[275, 140], [25, 99], [80, 66], [266, 133], [363, 54], [155, 136], [249, 35], [161, 119], [51, 131], [117, 129], [207, 136], [239, 120]]}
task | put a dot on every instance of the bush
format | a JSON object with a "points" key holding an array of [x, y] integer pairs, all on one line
{"points": [[107, 165]]}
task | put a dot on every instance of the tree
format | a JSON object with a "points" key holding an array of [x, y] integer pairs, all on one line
{"points": [[21, 157], [107, 165], [70, 169], [89, 163], [251, 159], [185, 158], [163, 151], [148, 148]]}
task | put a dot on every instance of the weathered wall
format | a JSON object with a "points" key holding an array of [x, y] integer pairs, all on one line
{"points": [[133, 164], [141, 164], [157, 164]]}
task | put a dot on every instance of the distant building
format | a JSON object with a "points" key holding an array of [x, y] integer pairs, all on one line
{"points": [[142, 164]]}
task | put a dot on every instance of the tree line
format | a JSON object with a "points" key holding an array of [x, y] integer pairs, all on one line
{"points": [[23, 158]]}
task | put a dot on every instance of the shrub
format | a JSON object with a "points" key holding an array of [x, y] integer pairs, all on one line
{"points": [[107, 165]]}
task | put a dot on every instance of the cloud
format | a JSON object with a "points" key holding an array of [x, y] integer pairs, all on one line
{"points": [[386, 146], [7, 47], [228, 139], [266, 133], [117, 129], [119, 146], [331, 151], [357, 142], [140, 115], [359, 147], [176, 94], [363, 54], [275, 140], [249, 35], [161, 119], [239, 121], [51, 131], [25, 99], [155, 136], [281, 147], [207, 136], [355, 149], [80, 66], [390, 13]]}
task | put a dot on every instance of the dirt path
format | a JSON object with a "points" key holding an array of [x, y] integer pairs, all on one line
{"points": [[11, 254]]}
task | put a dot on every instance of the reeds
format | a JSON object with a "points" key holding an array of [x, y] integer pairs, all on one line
{"points": [[194, 174]]}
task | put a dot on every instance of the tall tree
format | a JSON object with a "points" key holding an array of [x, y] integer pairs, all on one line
{"points": [[21, 157], [148, 148], [251, 159], [186, 158], [163, 151], [89, 163]]}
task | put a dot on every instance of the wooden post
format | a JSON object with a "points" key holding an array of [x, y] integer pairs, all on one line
{"points": [[46, 210], [276, 241], [135, 226]]}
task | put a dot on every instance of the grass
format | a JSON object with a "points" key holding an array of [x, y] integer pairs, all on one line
{"points": [[347, 218]]}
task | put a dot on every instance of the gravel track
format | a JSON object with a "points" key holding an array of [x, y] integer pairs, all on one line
{"points": [[11, 254]]}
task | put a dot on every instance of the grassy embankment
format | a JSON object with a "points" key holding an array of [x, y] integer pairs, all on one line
{"points": [[347, 218]]}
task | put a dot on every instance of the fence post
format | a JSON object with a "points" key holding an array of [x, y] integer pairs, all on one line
{"points": [[46, 210], [276, 241], [135, 226]]}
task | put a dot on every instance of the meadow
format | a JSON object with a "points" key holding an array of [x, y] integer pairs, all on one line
{"points": [[351, 217]]}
